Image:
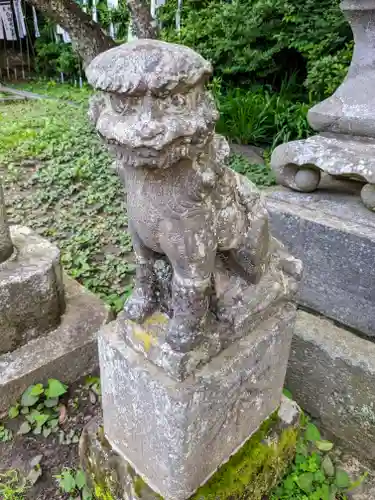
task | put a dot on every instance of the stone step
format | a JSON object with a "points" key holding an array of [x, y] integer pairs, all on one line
{"points": [[67, 353], [334, 236], [331, 375]]}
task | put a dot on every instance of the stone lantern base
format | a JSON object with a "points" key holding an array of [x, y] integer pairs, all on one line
{"points": [[298, 164], [175, 434], [48, 322]]}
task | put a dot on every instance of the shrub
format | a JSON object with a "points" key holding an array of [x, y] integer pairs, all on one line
{"points": [[326, 73], [53, 57], [261, 116], [264, 41]]}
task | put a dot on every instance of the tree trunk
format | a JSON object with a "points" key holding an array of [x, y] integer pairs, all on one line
{"points": [[87, 37], [144, 25]]}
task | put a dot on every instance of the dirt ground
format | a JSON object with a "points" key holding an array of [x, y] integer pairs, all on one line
{"points": [[81, 404]]}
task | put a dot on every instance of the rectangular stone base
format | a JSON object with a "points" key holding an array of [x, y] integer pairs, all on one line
{"points": [[334, 235], [67, 353], [251, 473], [176, 434], [331, 374]]}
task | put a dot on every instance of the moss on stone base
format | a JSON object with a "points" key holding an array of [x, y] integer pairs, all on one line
{"points": [[249, 474], [256, 468], [101, 492]]}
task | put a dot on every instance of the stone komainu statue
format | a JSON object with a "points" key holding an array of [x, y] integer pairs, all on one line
{"points": [[184, 203]]}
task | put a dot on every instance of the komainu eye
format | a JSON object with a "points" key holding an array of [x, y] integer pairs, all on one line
{"points": [[119, 105], [178, 100]]}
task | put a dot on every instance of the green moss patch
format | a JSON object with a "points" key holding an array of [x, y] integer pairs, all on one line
{"points": [[256, 468]]}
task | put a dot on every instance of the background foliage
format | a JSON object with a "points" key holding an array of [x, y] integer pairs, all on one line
{"points": [[272, 59]]}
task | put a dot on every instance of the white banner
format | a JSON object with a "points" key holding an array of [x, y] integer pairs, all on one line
{"points": [[94, 11], [20, 18], [112, 33], [6, 16], [178, 15], [63, 33], [35, 19], [66, 37], [155, 4]]}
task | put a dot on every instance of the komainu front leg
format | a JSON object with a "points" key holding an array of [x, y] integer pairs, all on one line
{"points": [[143, 300], [190, 304], [190, 246]]}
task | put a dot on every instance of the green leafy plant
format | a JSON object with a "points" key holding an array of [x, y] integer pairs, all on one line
{"points": [[314, 475], [261, 116], [53, 57], [93, 383], [261, 175], [5, 434], [39, 405], [328, 72], [74, 483], [260, 42], [72, 177], [12, 485]]}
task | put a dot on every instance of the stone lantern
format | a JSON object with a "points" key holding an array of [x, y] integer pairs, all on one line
{"points": [[345, 145]]}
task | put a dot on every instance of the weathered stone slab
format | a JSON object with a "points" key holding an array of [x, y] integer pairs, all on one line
{"points": [[66, 353], [176, 434], [334, 236], [331, 374], [31, 289], [259, 464]]}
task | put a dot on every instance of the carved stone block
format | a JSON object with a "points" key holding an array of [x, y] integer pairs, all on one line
{"points": [[176, 434], [334, 234], [67, 353], [331, 373]]}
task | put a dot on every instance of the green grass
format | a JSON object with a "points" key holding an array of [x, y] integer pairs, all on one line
{"points": [[51, 88], [73, 198]]}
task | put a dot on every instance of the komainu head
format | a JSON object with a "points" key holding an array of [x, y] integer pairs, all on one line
{"points": [[153, 106]]}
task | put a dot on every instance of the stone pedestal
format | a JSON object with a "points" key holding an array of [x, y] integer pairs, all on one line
{"points": [[250, 473], [335, 236], [346, 121], [331, 367], [48, 322], [31, 290], [176, 434], [331, 374]]}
